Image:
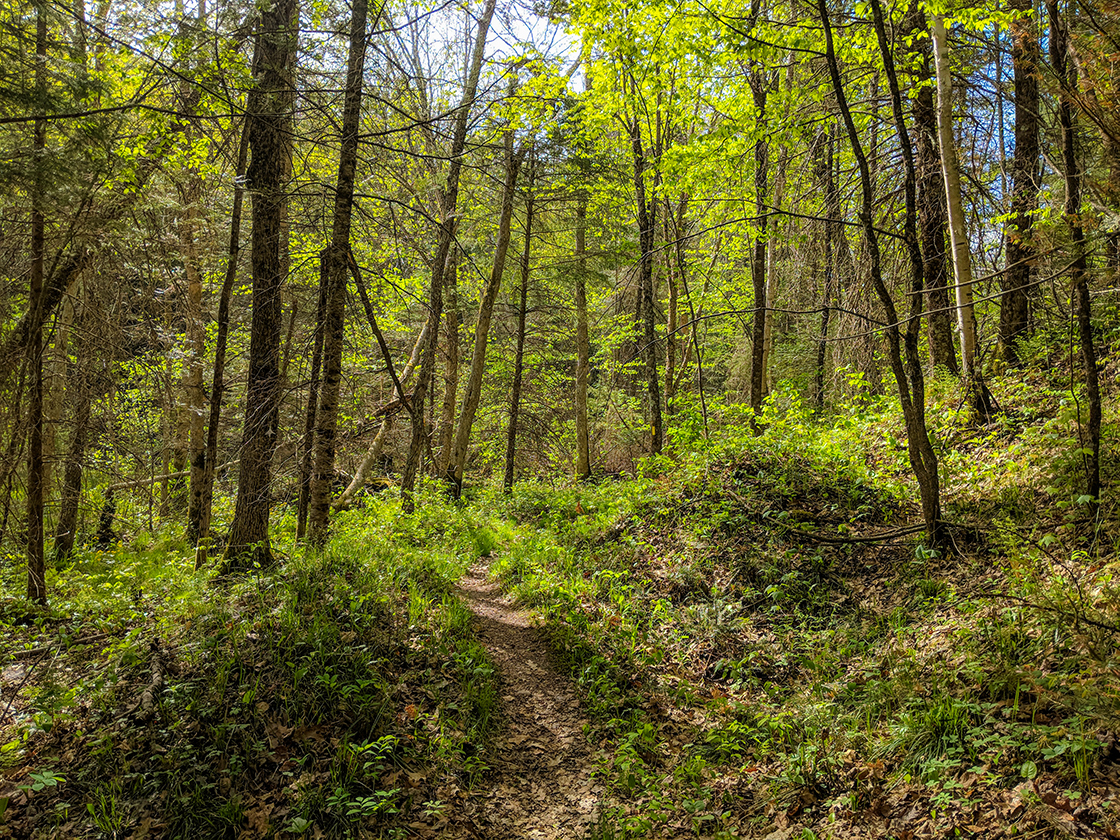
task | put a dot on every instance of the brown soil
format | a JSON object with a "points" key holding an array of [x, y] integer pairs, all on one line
{"points": [[541, 785]]}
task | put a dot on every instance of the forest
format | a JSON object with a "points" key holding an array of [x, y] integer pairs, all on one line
{"points": [[589, 419]]}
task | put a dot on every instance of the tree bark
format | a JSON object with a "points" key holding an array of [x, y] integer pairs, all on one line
{"points": [[270, 119], [311, 412], [832, 210], [473, 392], [759, 89], [337, 258], [191, 433], [451, 367], [36, 564], [1066, 71], [1019, 230], [583, 344], [519, 352], [449, 200], [908, 373], [974, 389], [200, 508], [647, 304], [932, 220], [671, 316]]}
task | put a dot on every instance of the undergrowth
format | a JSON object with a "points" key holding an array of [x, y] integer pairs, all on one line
{"points": [[748, 675], [341, 692]]}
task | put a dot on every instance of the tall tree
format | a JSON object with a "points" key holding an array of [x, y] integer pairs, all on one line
{"points": [[583, 344], [269, 115], [1066, 71], [36, 565], [451, 366], [932, 218], [522, 305], [337, 258], [473, 390], [974, 388], [646, 202], [760, 82], [907, 373], [1018, 232], [200, 509], [448, 200]]}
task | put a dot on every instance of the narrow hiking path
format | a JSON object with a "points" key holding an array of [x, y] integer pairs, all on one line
{"points": [[542, 786]]}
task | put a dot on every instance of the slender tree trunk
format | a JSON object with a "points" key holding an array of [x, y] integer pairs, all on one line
{"points": [[200, 509], [270, 120], [289, 337], [56, 355], [451, 368], [1066, 71], [647, 303], [832, 210], [36, 565], [80, 397], [473, 392], [760, 85], [449, 201], [519, 352], [337, 259], [671, 321], [1019, 230], [932, 219], [191, 433], [774, 243], [583, 345], [908, 373], [311, 412], [974, 388]]}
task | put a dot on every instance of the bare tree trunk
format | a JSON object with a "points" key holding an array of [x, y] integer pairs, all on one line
{"points": [[832, 211], [1019, 230], [908, 373], [671, 320], [451, 368], [270, 119], [773, 243], [80, 397], [473, 392], [449, 200], [36, 564], [337, 258], [519, 352], [583, 345], [647, 304], [932, 220], [202, 500], [312, 410], [974, 388], [760, 85], [1066, 71]]}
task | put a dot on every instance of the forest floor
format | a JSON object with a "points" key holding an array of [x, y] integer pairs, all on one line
{"points": [[749, 640]]}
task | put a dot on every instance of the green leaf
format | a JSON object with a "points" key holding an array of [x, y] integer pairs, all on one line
{"points": [[1029, 770]]}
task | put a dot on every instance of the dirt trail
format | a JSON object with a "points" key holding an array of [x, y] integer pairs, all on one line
{"points": [[541, 787]]}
